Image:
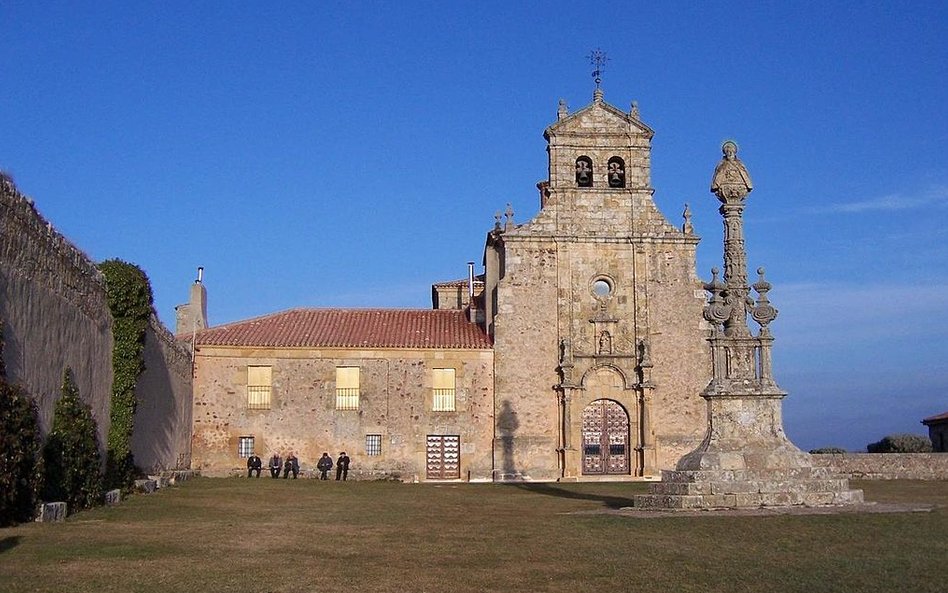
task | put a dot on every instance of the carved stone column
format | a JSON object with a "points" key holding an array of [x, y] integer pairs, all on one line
{"points": [[745, 459]]}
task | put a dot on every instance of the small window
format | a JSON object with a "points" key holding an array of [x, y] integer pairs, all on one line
{"points": [[347, 388], [245, 447], [584, 172], [259, 382], [373, 444], [444, 390], [601, 288]]}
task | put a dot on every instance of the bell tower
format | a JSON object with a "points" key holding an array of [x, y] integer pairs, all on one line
{"points": [[597, 365]]}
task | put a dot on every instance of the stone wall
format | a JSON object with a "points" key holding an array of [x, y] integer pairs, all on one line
{"points": [[54, 311], [886, 466], [395, 402], [162, 435]]}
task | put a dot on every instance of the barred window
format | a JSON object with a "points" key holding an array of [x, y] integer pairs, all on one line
{"points": [[245, 447], [259, 381], [373, 444], [443, 381], [347, 388]]}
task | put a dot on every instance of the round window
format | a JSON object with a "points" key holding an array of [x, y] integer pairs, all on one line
{"points": [[602, 288]]}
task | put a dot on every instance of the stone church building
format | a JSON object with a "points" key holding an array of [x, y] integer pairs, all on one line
{"points": [[579, 354]]}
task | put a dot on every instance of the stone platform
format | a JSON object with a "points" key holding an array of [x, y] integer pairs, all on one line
{"points": [[735, 489]]}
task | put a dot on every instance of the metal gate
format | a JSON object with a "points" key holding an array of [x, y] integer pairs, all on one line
{"points": [[443, 457], [605, 438]]}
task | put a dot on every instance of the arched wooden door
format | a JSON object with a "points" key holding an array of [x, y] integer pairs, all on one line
{"points": [[605, 438]]}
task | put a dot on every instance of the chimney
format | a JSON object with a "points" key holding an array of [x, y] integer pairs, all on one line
{"points": [[192, 316]]}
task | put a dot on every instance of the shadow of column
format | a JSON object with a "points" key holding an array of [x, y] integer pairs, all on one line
{"points": [[507, 425]]}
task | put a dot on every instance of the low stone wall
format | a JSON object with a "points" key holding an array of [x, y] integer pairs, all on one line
{"points": [[886, 466]]}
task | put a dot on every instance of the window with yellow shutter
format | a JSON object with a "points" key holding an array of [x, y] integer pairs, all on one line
{"points": [[259, 387], [443, 381], [347, 388]]}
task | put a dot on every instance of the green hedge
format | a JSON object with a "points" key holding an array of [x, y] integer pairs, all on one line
{"points": [[131, 303]]}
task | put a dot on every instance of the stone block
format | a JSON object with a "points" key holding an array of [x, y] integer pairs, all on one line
{"points": [[113, 497], [145, 486], [51, 512], [748, 499]]}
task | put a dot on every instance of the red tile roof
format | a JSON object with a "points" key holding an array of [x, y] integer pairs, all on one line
{"points": [[478, 281], [936, 419], [350, 328]]}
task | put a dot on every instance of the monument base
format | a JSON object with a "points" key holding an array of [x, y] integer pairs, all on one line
{"points": [[746, 461]]}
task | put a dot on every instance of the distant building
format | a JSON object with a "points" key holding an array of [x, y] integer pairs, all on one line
{"points": [[579, 354], [938, 431]]}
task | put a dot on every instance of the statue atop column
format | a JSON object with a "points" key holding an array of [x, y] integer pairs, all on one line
{"points": [[731, 176]]}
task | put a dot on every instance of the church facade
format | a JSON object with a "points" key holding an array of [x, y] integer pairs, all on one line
{"points": [[579, 353]]}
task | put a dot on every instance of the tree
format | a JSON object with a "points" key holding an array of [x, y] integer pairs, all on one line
{"points": [[901, 443], [71, 454], [19, 451], [827, 451]]}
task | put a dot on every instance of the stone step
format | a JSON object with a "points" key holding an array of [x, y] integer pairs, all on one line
{"points": [[752, 486], [746, 475], [746, 500]]}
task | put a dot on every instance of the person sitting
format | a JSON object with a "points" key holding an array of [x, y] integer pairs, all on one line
{"points": [[342, 466], [324, 465], [291, 465], [253, 465], [275, 464]]}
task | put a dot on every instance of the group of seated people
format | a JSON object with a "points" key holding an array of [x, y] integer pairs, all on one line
{"points": [[292, 465]]}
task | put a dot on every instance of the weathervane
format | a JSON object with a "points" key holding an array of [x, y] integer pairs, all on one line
{"points": [[598, 59]]}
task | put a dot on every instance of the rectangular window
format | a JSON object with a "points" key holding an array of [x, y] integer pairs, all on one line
{"points": [[347, 388], [245, 447], [373, 444], [258, 387], [444, 390]]}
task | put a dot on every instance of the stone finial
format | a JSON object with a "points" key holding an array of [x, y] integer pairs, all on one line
{"points": [[731, 179], [497, 217], [597, 95], [562, 111], [717, 311], [634, 112], [687, 227], [509, 215], [763, 312]]}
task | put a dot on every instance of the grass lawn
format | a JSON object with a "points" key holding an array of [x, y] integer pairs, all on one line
{"points": [[220, 535]]}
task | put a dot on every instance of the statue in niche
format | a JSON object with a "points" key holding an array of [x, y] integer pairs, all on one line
{"points": [[616, 172], [730, 172], [605, 343], [584, 172], [565, 354]]}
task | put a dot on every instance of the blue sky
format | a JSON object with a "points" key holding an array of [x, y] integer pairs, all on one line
{"points": [[349, 154]]}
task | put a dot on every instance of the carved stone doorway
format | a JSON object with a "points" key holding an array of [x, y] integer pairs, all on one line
{"points": [[605, 438]]}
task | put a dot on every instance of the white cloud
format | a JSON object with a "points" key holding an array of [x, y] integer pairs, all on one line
{"points": [[934, 197]]}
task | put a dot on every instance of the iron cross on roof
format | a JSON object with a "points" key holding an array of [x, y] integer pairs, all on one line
{"points": [[598, 60]]}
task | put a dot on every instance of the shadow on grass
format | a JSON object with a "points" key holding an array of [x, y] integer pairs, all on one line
{"points": [[8, 543], [613, 502]]}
